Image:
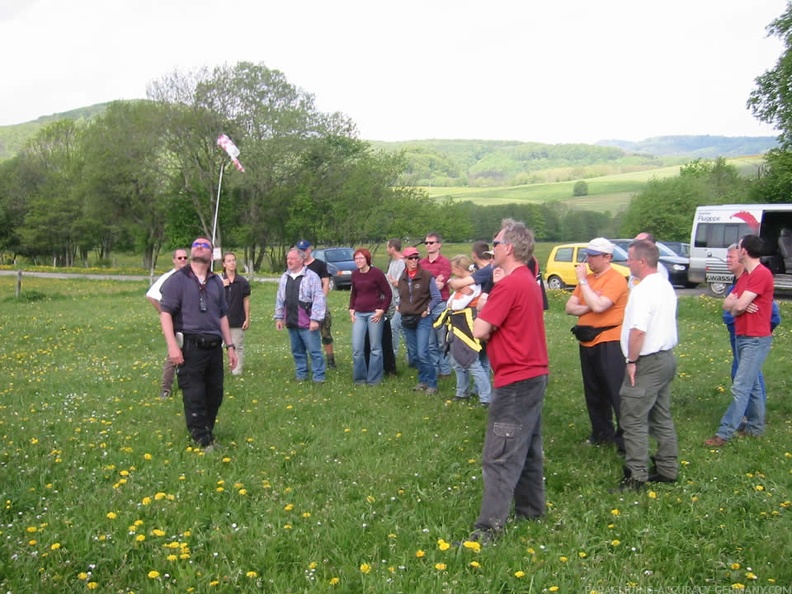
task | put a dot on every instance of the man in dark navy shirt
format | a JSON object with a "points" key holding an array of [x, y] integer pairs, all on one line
{"points": [[193, 304]]}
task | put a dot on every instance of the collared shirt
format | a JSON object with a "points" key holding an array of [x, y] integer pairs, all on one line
{"points": [[182, 296], [651, 308], [440, 267]]}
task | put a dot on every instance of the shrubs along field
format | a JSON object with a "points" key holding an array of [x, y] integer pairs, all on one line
{"points": [[338, 488]]}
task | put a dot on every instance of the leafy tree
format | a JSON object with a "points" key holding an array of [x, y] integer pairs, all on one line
{"points": [[580, 189], [771, 99]]}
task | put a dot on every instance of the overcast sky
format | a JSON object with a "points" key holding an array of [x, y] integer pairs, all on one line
{"points": [[529, 70]]}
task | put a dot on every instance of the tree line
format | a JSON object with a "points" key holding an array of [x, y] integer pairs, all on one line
{"points": [[143, 177]]}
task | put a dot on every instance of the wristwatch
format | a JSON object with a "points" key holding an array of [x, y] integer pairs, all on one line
{"points": [[627, 360], [231, 346], [584, 282]]}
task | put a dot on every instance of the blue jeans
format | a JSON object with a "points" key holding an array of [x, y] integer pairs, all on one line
{"points": [[748, 398], [512, 462], [480, 379], [732, 338], [417, 340], [372, 373], [305, 343], [396, 330], [440, 359]]}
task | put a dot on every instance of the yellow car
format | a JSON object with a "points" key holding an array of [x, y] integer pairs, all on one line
{"points": [[560, 269]]}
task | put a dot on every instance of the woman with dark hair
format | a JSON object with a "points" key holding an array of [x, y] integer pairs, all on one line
{"points": [[369, 299]]}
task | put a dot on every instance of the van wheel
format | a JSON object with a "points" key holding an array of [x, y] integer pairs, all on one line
{"points": [[717, 289], [555, 282]]}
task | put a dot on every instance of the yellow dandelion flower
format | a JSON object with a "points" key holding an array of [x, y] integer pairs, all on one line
{"points": [[172, 557], [615, 512], [32, 529], [582, 554], [420, 554], [82, 576], [32, 542], [751, 576], [553, 588], [334, 581], [288, 507], [55, 546], [760, 487], [370, 499], [184, 556], [738, 586], [226, 460], [153, 574], [735, 566], [443, 545], [440, 566], [306, 514], [652, 495], [312, 565], [147, 456], [111, 515], [140, 537], [159, 496], [243, 492], [92, 585], [563, 559], [287, 526], [531, 551], [251, 574], [475, 564], [615, 542], [365, 568], [472, 545], [214, 583], [157, 532], [139, 522], [519, 574], [146, 501], [220, 489]]}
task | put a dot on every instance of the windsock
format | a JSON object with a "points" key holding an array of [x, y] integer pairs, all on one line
{"points": [[228, 146]]}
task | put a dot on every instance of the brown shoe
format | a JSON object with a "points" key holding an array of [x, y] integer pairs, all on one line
{"points": [[716, 442]]}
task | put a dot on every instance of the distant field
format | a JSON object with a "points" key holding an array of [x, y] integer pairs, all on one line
{"points": [[607, 193]]}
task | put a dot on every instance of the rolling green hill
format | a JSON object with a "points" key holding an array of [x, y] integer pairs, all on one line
{"points": [[610, 193]]}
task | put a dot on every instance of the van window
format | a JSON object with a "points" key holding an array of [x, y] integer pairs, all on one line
{"points": [[719, 235], [564, 254]]}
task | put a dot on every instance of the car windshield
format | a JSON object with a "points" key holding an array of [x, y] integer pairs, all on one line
{"points": [[619, 255], [339, 255], [666, 251]]}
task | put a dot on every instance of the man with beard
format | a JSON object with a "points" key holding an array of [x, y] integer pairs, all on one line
{"points": [[193, 306]]}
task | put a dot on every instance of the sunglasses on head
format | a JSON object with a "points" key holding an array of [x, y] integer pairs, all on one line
{"points": [[202, 244]]}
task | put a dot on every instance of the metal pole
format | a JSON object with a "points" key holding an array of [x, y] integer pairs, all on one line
{"points": [[217, 205]]}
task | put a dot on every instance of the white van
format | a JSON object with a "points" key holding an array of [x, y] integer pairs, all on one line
{"points": [[715, 228]]}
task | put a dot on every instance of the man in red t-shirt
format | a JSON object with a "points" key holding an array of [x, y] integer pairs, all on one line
{"points": [[512, 322], [440, 268], [751, 304]]}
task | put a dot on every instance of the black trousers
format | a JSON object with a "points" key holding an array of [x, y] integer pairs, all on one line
{"points": [[602, 367], [201, 383], [388, 358]]}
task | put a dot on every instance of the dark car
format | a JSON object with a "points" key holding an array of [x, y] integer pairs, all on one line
{"points": [[677, 266], [340, 265], [680, 248]]}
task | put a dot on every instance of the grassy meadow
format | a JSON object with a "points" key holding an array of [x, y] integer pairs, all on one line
{"points": [[605, 193], [337, 488]]}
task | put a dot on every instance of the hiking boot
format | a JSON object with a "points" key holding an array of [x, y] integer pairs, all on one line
{"points": [[431, 390], [716, 441], [331, 364], [660, 478], [420, 388]]}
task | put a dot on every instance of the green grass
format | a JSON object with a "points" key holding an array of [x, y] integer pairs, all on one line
{"points": [[100, 485]]}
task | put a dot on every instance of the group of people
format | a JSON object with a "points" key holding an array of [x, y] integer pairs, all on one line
{"points": [[627, 333], [627, 330]]}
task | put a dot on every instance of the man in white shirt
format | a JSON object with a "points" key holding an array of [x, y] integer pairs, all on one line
{"points": [[649, 333], [154, 295]]}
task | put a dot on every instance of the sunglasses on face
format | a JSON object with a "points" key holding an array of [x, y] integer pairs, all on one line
{"points": [[430, 242], [202, 244], [413, 257], [497, 242], [181, 257]]}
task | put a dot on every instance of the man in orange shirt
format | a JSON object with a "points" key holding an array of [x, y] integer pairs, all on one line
{"points": [[599, 301]]}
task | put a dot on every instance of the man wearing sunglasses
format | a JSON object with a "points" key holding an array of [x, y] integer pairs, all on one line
{"points": [[154, 295], [440, 268], [193, 304]]}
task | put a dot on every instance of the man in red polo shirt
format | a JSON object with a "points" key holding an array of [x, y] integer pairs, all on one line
{"points": [[440, 268], [513, 324]]}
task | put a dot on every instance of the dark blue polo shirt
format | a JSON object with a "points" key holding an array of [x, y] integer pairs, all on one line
{"points": [[182, 294]]}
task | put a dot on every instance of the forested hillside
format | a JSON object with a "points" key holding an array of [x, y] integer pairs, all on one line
{"points": [[705, 147]]}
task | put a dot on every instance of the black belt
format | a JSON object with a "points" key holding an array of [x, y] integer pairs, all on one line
{"points": [[204, 341]]}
